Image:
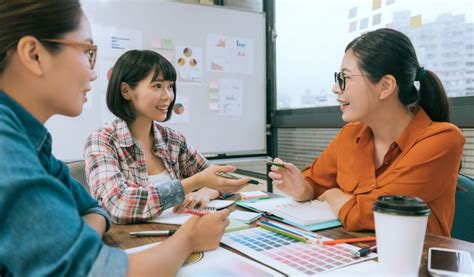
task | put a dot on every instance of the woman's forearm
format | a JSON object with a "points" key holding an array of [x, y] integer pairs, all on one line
{"points": [[97, 222]]}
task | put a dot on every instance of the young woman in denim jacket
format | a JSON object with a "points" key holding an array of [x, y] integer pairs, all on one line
{"points": [[49, 225]]}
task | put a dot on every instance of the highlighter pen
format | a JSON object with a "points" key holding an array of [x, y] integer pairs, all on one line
{"points": [[283, 233], [230, 176], [364, 252], [196, 212], [350, 240], [152, 233], [275, 164]]}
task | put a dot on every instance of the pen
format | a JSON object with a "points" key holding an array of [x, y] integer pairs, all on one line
{"points": [[230, 176], [351, 240], [270, 215], [295, 230], [196, 212], [283, 233], [152, 233], [291, 231], [279, 228], [364, 252], [275, 164]]}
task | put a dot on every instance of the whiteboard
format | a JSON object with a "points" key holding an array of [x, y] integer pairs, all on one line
{"points": [[223, 98]]}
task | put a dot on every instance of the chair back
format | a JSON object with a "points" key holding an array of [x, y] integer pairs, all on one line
{"points": [[463, 226], [77, 169]]}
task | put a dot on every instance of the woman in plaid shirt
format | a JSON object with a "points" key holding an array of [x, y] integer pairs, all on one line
{"points": [[137, 168]]}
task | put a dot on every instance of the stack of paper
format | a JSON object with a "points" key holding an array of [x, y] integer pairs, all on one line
{"points": [[218, 262], [311, 215], [236, 225], [219, 204], [168, 217], [246, 217], [245, 195]]}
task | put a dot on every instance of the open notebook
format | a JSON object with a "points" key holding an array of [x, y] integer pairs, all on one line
{"points": [[302, 214]]}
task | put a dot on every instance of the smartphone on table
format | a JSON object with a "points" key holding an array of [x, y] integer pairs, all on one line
{"points": [[231, 176], [449, 262]]}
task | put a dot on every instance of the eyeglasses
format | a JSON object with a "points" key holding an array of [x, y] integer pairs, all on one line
{"points": [[340, 79], [89, 47]]}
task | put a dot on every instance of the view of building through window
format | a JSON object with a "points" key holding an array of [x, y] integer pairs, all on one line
{"points": [[312, 36]]}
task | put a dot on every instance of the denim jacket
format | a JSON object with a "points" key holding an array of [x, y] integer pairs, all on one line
{"points": [[42, 231]]}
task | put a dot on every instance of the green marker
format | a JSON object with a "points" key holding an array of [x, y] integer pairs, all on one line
{"points": [[276, 164], [283, 233]]}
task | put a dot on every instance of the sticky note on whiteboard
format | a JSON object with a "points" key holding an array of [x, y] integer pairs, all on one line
{"points": [[416, 21]]}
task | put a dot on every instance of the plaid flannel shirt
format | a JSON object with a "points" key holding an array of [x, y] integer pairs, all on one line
{"points": [[117, 175]]}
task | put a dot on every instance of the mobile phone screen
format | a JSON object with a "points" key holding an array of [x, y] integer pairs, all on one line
{"points": [[451, 261]]}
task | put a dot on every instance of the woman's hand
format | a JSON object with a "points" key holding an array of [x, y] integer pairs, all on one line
{"points": [[205, 232], [198, 199], [208, 178], [336, 198], [290, 181]]}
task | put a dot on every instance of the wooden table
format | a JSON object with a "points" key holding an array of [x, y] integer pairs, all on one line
{"points": [[119, 237]]}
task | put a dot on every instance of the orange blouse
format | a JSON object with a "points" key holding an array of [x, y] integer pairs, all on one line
{"points": [[424, 161]]}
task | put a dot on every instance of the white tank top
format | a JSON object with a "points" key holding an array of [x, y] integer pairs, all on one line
{"points": [[159, 178]]}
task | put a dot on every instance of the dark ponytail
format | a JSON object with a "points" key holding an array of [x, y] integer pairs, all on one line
{"points": [[433, 97], [38, 18], [390, 52]]}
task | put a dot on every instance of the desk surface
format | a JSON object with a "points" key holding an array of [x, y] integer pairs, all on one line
{"points": [[119, 237]]}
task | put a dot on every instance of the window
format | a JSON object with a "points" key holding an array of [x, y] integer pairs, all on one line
{"points": [[312, 36]]}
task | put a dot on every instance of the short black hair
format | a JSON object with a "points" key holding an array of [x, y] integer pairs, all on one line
{"points": [[132, 67]]}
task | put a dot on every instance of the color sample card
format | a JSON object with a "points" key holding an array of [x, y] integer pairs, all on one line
{"points": [[290, 256]]}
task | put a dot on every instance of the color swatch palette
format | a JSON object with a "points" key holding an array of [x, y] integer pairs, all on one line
{"points": [[290, 256]]}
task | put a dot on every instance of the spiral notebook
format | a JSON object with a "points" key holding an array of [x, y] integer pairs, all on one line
{"points": [[311, 215]]}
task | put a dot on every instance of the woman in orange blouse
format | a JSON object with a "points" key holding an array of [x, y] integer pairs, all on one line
{"points": [[398, 139]]}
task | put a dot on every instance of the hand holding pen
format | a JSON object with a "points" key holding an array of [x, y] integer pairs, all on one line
{"points": [[209, 178], [289, 179], [231, 176], [200, 212]]}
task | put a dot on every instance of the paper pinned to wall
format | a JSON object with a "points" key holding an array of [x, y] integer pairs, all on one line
{"points": [[115, 42], [189, 64], [242, 55], [230, 54], [231, 97], [162, 43], [180, 114], [218, 53]]}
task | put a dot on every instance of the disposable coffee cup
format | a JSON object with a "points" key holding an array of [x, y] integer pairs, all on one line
{"points": [[400, 227]]}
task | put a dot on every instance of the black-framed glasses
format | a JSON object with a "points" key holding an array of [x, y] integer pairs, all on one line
{"points": [[340, 79], [89, 47]]}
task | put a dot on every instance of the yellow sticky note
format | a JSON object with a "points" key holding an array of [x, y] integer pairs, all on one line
{"points": [[415, 21], [376, 4]]}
